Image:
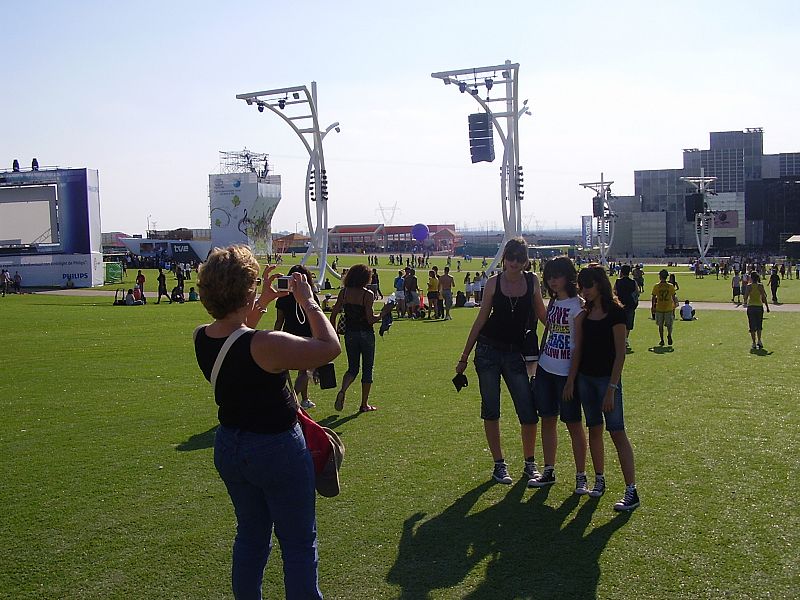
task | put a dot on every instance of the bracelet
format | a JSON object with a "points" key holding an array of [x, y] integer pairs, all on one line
{"points": [[613, 386], [259, 308]]}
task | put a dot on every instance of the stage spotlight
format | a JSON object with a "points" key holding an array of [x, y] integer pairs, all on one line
{"points": [[282, 103], [462, 87], [446, 81], [296, 95], [489, 83], [506, 74], [474, 91], [338, 129], [260, 107], [34, 165], [15, 166]]}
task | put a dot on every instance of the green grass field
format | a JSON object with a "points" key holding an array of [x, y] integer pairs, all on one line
{"points": [[109, 490]]}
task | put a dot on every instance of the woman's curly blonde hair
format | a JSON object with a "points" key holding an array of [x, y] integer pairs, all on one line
{"points": [[226, 280]]}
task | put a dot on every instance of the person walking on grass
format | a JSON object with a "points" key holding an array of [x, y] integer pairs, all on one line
{"points": [[355, 301], [756, 301], [497, 335], [628, 293], [774, 284], [664, 303], [554, 383], [601, 336], [162, 287]]}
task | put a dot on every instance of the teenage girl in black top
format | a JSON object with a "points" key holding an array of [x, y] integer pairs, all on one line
{"points": [[602, 355]]}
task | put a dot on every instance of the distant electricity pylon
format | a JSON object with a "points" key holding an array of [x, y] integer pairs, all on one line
{"points": [[388, 212]]}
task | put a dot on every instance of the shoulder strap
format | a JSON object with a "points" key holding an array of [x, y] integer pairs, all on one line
{"points": [[224, 351]]}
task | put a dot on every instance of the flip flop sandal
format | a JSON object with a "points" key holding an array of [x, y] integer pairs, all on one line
{"points": [[367, 408]]}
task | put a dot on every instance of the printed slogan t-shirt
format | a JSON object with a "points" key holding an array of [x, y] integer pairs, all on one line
{"points": [[556, 356]]}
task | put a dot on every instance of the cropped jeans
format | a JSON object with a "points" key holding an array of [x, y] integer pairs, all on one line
{"points": [[270, 479], [360, 347]]}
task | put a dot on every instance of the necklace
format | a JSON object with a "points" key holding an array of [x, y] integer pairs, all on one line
{"points": [[513, 303]]}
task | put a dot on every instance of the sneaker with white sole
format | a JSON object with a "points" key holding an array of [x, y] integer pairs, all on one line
{"points": [[543, 480], [599, 486], [629, 501], [531, 471], [307, 404], [581, 484], [500, 473]]}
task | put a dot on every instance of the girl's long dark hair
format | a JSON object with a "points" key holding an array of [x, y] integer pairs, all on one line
{"points": [[558, 267], [595, 274]]}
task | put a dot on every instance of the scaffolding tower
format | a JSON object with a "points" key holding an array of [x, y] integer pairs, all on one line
{"points": [[244, 161]]}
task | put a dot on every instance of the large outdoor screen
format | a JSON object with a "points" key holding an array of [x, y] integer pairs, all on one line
{"points": [[28, 215]]}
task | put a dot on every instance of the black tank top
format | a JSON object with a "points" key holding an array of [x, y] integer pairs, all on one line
{"points": [[248, 397], [509, 317], [355, 315]]}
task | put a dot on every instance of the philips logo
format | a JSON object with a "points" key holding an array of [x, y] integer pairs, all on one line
{"points": [[74, 276]]}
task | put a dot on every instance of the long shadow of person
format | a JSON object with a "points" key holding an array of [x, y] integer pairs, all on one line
{"points": [[531, 549], [198, 441]]}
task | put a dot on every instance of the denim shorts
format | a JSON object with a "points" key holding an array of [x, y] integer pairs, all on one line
{"points": [[547, 393], [592, 390], [491, 364]]}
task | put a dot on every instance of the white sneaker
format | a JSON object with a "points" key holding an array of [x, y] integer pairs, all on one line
{"points": [[307, 404]]}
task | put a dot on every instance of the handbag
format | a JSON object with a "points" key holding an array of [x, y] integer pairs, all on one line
{"points": [[324, 444], [530, 341], [340, 324]]}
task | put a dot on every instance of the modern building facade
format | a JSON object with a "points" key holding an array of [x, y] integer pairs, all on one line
{"points": [[755, 201]]}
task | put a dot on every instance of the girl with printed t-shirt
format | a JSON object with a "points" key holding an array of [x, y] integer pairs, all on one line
{"points": [[602, 342], [554, 386]]}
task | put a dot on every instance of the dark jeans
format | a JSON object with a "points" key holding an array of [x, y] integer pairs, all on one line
{"points": [[360, 347], [270, 479]]}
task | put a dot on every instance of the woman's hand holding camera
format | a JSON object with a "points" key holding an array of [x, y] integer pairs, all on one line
{"points": [[301, 289], [268, 293]]}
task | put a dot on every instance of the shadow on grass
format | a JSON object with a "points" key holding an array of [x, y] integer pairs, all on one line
{"points": [[199, 441], [760, 352], [333, 421], [661, 349], [533, 550]]}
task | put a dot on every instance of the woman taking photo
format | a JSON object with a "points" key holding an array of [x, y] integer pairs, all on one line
{"points": [[755, 298], [259, 449], [355, 303], [292, 319], [602, 341], [497, 334]]}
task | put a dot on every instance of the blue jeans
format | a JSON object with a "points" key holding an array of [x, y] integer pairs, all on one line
{"points": [[491, 364], [270, 479], [548, 390], [360, 347], [591, 391]]}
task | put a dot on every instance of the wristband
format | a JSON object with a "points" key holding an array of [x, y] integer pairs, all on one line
{"points": [[259, 308], [613, 386]]}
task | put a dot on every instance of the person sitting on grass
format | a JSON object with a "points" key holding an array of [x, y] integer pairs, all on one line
{"points": [[687, 312], [130, 299], [177, 294], [193, 297]]}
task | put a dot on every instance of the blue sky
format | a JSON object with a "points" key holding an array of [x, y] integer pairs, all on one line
{"points": [[146, 95]]}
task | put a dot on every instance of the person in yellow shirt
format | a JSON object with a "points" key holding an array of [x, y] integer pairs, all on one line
{"points": [[433, 293], [665, 301]]}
